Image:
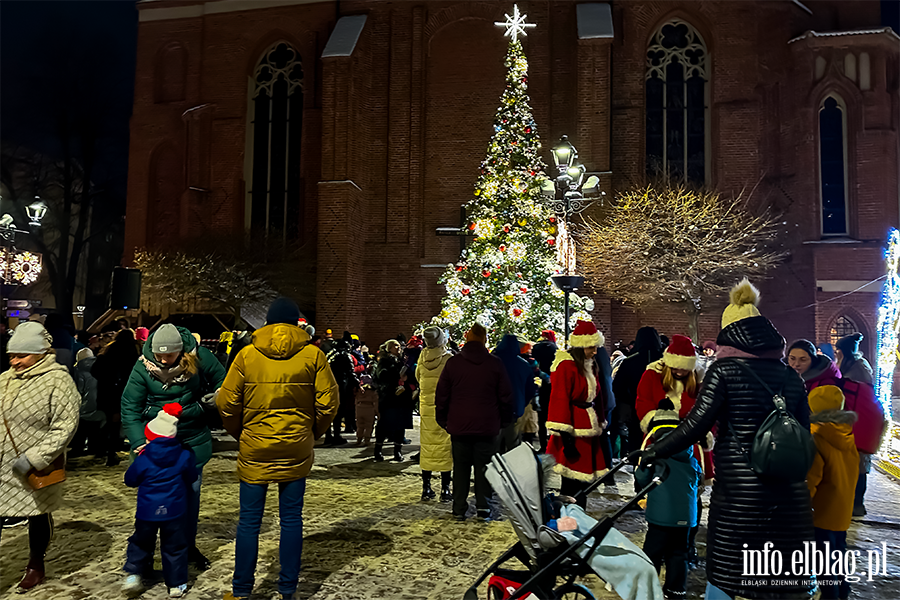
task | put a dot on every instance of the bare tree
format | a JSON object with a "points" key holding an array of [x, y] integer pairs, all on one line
{"points": [[672, 243]]}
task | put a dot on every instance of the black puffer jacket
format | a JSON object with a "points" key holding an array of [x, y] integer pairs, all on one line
{"points": [[747, 510]]}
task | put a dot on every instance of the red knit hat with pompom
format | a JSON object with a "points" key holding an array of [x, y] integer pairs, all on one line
{"points": [[165, 424]]}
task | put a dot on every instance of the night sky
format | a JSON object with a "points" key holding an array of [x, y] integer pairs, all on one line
{"points": [[74, 58], [78, 57]]}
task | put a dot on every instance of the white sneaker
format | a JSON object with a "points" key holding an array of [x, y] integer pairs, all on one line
{"points": [[133, 586], [177, 591]]}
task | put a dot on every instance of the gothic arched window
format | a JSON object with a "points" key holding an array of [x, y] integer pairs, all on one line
{"points": [[676, 103], [833, 166], [842, 327], [276, 119]]}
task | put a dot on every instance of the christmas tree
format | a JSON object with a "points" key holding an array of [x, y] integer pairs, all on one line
{"points": [[502, 279]]}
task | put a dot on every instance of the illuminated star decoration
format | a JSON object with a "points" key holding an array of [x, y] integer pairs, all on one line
{"points": [[888, 324], [515, 24]]}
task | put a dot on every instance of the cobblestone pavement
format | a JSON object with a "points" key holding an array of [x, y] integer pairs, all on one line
{"points": [[367, 535]]}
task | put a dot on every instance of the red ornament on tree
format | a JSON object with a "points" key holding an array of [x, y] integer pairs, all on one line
{"points": [[502, 248], [465, 291], [517, 312], [551, 241], [471, 226], [553, 219], [519, 275], [528, 130], [524, 289], [486, 273]]}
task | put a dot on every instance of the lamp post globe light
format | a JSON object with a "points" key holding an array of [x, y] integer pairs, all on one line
{"points": [[36, 211], [568, 194]]}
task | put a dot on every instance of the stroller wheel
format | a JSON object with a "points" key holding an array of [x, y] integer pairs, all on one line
{"points": [[573, 591]]}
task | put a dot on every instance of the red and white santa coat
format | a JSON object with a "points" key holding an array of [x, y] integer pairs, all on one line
{"points": [[651, 390], [576, 407]]}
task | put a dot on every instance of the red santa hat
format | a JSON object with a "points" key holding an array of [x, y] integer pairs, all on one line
{"points": [[585, 336], [165, 424], [680, 354]]}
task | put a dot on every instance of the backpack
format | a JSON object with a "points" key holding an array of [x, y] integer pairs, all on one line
{"points": [[782, 448]]}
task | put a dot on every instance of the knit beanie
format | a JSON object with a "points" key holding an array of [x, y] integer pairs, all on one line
{"points": [[849, 344], [549, 334], [744, 299], [826, 397], [165, 424], [805, 345], [166, 340], [665, 415], [83, 354], [141, 334], [434, 337], [29, 338], [283, 310]]}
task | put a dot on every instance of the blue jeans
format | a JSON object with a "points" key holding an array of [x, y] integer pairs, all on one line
{"points": [[246, 548], [192, 515]]}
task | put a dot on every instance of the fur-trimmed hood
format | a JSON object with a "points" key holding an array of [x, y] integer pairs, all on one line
{"points": [[835, 427]]}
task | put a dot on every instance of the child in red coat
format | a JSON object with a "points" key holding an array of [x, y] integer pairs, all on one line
{"points": [[575, 412]]}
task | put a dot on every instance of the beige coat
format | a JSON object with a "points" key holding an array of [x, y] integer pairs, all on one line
{"points": [[41, 405], [436, 450]]}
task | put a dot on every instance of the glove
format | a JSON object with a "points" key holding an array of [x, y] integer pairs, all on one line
{"points": [[21, 466], [569, 450], [646, 458]]}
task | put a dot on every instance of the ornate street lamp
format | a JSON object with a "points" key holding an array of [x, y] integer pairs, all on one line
{"points": [[36, 211], [568, 195]]}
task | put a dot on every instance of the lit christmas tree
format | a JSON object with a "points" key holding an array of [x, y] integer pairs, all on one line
{"points": [[502, 279]]}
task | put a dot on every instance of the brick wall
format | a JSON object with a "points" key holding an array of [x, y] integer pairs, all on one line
{"points": [[393, 136]]}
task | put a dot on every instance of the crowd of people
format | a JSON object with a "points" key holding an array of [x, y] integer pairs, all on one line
{"points": [[279, 389]]}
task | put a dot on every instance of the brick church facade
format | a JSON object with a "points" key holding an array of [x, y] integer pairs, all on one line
{"points": [[350, 130]]}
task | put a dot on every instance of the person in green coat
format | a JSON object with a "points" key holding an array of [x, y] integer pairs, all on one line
{"points": [[174, 368]]}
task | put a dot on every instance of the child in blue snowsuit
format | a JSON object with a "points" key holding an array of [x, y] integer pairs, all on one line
{"points": [[671, 506], [162, 473]]}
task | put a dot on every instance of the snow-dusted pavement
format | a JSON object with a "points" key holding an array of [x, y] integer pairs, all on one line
{"points": [[367, 535]]}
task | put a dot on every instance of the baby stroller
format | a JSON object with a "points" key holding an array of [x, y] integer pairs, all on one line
{"points": [[518, 479]]}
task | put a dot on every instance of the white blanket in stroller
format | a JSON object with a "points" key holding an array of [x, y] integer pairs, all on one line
{"points": [[617, 561]]}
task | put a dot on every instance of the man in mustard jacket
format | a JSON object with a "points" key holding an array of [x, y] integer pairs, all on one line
{"points": [[278, 398]]}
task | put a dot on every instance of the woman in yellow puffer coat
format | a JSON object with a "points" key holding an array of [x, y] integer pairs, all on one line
{"points": [[435, 442]]}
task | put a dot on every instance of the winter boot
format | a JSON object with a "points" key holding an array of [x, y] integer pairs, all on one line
{"points": [[34, 575], [132, 586], [198, 560], [397, 456], [379, 457], [427, 492], [446, 494], [178, 591]]}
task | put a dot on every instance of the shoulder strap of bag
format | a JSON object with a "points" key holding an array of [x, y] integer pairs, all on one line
{"points": [[777, 399]]}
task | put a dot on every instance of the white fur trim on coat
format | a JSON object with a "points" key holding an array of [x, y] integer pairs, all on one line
{"points": [[596, 426], [677, 361], [587, 341], [572, 474]]}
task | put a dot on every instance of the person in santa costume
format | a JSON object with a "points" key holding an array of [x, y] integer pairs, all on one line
{"points": [[673, 377], [576, 412]]}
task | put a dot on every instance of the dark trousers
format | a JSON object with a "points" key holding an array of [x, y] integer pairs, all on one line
{"points": [[109, 438], [865, 464], [173, 548], [669, 545], [40, 532], [833, 586], [89, 433], [544, 401], [346, 412], [570, 487], [471, 452], [395, 436], [692, 538], [445, 479]]}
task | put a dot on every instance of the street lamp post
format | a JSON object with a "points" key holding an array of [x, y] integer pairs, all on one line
{"points": [[569, 194], [8, 230]]}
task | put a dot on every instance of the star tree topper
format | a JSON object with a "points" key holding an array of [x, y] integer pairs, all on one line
{"points": [[515, 24]]}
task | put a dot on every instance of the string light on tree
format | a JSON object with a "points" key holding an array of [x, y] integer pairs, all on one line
{"points": [[887, 343], [513, 253]]}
